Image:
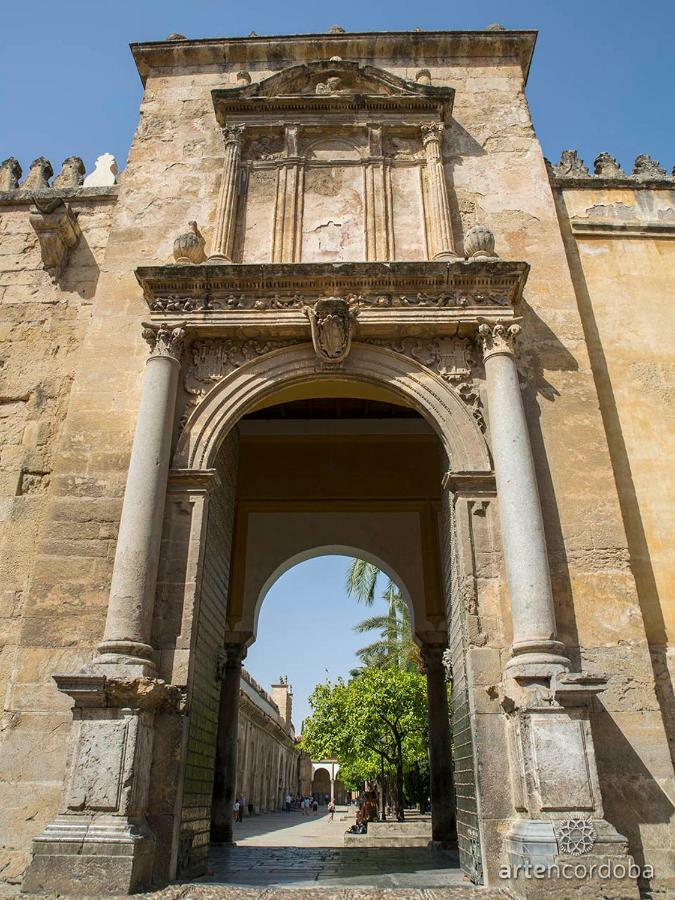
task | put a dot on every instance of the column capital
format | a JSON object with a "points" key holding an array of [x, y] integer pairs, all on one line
{"points": [[233, 134], [234, 654], [433, 657], [498, 337], [432, 132], [165, 341]]}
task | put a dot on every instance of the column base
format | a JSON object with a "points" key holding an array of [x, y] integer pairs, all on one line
{"points": [[217, 259], [537, 659], [91, 855], [446, 254], [125, 659]]}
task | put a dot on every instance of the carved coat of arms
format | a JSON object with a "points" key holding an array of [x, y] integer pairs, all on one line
{"points": [[331, 320]]}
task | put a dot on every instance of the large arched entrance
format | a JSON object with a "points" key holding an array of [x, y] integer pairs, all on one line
{"points": [[308, 461]]}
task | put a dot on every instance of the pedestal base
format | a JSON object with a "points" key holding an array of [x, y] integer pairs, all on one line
{"points": [[90, 855], [540, 866]]}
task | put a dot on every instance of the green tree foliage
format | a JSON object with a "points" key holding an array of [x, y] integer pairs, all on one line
{"points": [[380, 714], [395, 647]]}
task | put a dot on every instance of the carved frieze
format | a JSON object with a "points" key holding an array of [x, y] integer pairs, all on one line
{"points": [[210, 360], [454, 359]]}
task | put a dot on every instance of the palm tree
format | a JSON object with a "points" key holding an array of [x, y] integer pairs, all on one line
{"points": [[395, 647]]}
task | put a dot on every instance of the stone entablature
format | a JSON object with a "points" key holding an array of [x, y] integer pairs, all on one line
{"points": [[395, 298]]}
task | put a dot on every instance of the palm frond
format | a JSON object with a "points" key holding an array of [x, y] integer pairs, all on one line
{"points": [[361, 581]]}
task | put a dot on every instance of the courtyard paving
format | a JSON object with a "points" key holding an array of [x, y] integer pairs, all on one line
{"points": [[290, 851]]}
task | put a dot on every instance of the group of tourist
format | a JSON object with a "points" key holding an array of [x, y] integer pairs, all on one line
{"points": [[304, 804], [238, 809]]}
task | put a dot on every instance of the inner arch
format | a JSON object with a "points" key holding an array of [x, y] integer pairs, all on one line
{"points": [[331, 550]]}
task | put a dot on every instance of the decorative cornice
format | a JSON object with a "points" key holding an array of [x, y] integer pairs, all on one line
{"points": [[286, 49], [192, 481], [74, 194], [606, 228], [392, 298]]}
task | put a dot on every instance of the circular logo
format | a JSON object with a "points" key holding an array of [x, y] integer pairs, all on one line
{"points": [[576, 836]]}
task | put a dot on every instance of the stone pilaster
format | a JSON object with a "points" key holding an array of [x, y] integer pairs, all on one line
{"points": [[377, 192], [126, 640], [443, 818], [287, 237], [437, 207], [225, 772], [226, 213]]}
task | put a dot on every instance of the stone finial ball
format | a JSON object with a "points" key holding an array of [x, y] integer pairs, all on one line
{"points": [[479, 243]]}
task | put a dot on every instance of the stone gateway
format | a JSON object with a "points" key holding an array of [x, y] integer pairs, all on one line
{"points": [[338, 302]]}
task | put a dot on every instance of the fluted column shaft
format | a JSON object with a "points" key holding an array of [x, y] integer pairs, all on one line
{"points": [[126, 639], [439, 227], [226, 215], [535, 649], [441, 781], [225, 773]]}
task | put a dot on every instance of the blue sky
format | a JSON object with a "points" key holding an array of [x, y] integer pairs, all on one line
{"points": [[602, 77], [305, 629]]}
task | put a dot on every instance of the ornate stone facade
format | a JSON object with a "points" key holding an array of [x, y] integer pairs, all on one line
{"points": [[150, 499]]}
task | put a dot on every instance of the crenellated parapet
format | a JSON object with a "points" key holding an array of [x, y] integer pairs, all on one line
{"points": [[71, 176], [572, 171]]}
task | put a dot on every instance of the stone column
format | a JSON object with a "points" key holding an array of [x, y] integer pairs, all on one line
{"points": [[535, 649], [126, 639], [443, 812], [437, 207], [332, 790], [225, 775], [226, 213]]}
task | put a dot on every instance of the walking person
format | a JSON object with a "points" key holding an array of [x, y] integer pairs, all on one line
{"points": [[236, 809], [331, 810], [288, 802], [315, 805]]}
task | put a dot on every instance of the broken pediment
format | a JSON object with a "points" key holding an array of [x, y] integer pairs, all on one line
{"points": [[333, 85]]}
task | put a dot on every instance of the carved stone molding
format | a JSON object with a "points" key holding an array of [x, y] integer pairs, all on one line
{"points": [[454, 359], [210, 361], [58, 231], [331, 87], [332, 320], [165, 341], [455, 286], [499, 337]]}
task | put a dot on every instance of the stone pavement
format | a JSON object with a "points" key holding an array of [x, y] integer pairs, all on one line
{"points": [[280, 829], [280, 851]]}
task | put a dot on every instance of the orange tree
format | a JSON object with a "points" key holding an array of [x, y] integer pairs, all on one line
{"points": [[379, 715]]}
